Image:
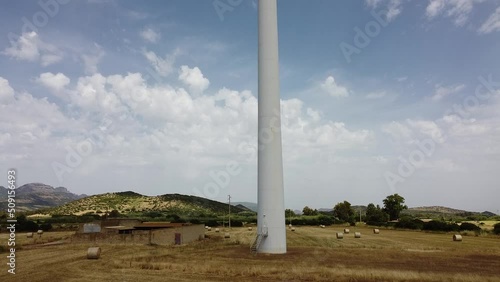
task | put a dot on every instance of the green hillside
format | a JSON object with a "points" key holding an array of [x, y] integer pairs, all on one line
{"points": [[130, 202]]}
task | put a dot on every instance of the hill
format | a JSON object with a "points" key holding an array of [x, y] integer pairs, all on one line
{"points": [[34, 196], [248, 205], [440, 211], [131, 202]]}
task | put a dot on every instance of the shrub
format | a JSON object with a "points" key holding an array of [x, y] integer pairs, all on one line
{"points": [[236, 223], [325, 219], [496, 229], [437, 225], [469, 226], [46, 226], [408, 223], [27, 225], [376, 223]]}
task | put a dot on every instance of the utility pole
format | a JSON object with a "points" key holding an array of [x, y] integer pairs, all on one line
{"points": [[229, 216]]}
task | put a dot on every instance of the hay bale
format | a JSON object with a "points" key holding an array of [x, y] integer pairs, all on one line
{"points": [[357, 234], [293, 228], [93, 253], [226, 235], [29, 235], [457, 238], [249, 228], [340, 235], [376, 231], [346, 230], [216, 229]]}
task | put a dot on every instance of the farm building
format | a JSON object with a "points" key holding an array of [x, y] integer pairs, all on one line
{"points": [[137, 232]]}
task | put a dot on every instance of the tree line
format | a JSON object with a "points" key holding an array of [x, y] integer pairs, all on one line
{"points": [[343, 211]]}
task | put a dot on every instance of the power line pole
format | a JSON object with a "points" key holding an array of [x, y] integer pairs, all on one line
{"points": [[229, 216]]}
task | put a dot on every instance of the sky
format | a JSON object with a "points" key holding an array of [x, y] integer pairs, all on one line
{"points": [[377, 97]]}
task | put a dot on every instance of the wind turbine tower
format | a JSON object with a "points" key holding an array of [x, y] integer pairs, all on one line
{"points": [[271, 223]]}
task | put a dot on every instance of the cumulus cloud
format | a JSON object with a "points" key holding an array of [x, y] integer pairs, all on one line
{"points": [[29, 47], [461, 127], [443, 91], [152, 121], [150, 35], [331, 87], [6, 92], [392, 7], [492, 24], [458, 10], [194, 79], [412, 131], [55, 82], [30, 128]]}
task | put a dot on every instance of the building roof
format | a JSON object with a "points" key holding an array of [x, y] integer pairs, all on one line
{"points": [[154, 225]]}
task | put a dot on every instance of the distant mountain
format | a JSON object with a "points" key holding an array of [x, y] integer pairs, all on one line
{"points": [[248, 205], [488, 213], [440, 210], [34, 196], [243, 208], [130, 202]]}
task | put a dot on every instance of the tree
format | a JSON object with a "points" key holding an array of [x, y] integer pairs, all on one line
{"points": [[289, 212], [308, 211], [344, 212], [375, 214], [496, 228], [114, 213], [393, 205]]}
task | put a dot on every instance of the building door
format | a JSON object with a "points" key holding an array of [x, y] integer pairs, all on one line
{"points": [[177, 238]]}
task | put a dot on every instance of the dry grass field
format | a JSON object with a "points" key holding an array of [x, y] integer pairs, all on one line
{"points": [[313, 255]]}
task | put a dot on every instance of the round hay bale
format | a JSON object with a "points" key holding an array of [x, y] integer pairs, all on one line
{"points": [[29, 235], [346, 230], [376, 231], [357, 234], [93, 253], [340, 235], [216, 229], [293, 228], [39, 232], [249, 228], [209, 228], [457, 238], [226, 235]]}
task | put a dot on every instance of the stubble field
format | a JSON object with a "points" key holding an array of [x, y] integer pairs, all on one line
{"points": [[314, 254]]}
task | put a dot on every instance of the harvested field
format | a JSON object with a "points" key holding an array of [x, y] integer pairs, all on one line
{"points": [[314, 254]]}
